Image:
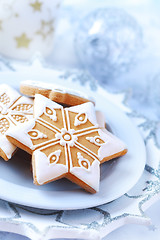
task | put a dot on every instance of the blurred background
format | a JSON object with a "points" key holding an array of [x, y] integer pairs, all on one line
{"points": [[118, 42]]}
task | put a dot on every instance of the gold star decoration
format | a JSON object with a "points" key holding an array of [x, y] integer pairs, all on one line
{"points": [[23, 41], [36, 6], [16, 15], [46, 28]]}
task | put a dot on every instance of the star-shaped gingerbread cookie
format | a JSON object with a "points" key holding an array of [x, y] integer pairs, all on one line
{"points": [[66, 142], [14, 110]]}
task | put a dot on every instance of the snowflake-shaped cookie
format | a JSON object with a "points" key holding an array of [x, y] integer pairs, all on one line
{"points": [[14, 110], [66, 142]]}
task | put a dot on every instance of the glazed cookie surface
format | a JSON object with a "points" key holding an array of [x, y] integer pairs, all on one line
{"points": [[54, 92], [14, 110], [66, 142]]}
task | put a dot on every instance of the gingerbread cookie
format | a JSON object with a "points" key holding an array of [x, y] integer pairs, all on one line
{"points": [[66, 142], [14, 110], [100, 119], [54, 92]]}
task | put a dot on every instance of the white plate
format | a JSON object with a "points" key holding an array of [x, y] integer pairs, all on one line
{"points": [[117, 176]]}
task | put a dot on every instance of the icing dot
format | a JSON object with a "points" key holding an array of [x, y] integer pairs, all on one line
{"points": [[81, 117], [49, 112], [54, 158], [34, 134], [98, 140], [85, 164], [67, 137]]}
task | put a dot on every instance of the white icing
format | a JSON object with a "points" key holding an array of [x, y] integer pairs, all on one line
{"points": [[79, 120], [10, 92], [20, 133], [3, 110], [44, 170], [68, 120], [86, 108], [100, 119], [36, 134], [45, 144], [48, 125], [9, 99], [91, 139], [95, 140], [91, 177], [7, 147], [64, 121], [66, 137], [111, 146], [86, 162], [56, 154], [51, 114], [22, 102], [41, 103], [85, 131], [55, 88], [86, 150]]}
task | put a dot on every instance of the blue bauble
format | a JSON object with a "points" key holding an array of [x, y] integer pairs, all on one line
{"points": [[107, 41]]}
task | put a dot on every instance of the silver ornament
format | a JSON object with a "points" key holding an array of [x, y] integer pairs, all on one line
{"points": [[107, 41]]}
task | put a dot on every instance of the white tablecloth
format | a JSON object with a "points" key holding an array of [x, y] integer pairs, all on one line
{"points": [[130, 231]]}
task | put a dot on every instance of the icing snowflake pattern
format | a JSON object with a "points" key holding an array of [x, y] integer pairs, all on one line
{"points": [[62, 146], [13, 110]]}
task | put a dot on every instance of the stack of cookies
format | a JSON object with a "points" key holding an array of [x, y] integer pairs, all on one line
{"points": [[61, 129]]}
